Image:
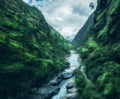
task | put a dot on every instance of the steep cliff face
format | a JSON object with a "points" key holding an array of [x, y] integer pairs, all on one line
{"points": [[101, 54], [84, 31], [31, 51]]}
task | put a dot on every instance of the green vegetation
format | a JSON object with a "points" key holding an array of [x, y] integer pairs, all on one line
{"points": [[101, 54], [31, 51], [85, 87]]}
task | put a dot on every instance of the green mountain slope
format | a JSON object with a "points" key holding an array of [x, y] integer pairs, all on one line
{"points": [[101, 54], [84, 31], [31, 51]]}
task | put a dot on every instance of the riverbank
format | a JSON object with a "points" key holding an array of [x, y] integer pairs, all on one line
{"points": [[62, 86]]}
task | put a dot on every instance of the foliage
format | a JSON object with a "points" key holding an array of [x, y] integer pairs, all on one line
{"points": [[101, 54], [31, 51], [85, 88]]}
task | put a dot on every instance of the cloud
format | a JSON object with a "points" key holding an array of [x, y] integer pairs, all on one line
{"points": [[66, 16]]}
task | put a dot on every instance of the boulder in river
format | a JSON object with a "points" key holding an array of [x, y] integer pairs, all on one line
{"points": [[57, 80], [72, 90], [67, 74], [72, 96], [48, 91], [70, 85], [53, 82], [45, 92]]}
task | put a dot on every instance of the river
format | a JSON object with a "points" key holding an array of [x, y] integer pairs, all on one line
{"points": [[74, 61], [66, 89]]}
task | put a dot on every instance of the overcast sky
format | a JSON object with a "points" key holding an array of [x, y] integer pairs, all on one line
{"points": [[66, 16]]}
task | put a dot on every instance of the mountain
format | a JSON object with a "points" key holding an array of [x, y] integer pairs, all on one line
{"points": [[100, 54], [31, 51], [83, 32]]}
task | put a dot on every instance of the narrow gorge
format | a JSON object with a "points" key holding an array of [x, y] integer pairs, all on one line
{"points": [[39, 59]]}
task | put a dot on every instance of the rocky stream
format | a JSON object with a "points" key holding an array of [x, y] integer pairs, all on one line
{"points": [[63, 85]]}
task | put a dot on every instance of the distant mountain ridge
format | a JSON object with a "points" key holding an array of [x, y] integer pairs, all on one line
{"points": [[83, 32]]}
